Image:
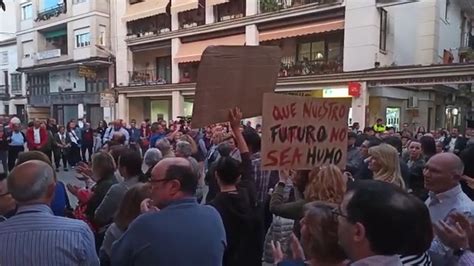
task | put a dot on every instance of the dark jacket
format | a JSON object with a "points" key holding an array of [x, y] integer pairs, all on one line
{"points": [[242, 222], [467, 157], [417, 180], [57, 140], [99, 192], [4, 142], [459, 145]]}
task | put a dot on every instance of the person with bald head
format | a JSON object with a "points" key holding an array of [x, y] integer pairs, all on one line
{"points": [[182, 232], [115, 128], [442, 175], [40, 238]]}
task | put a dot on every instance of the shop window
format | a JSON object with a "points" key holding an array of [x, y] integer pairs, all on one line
{"points": [[393, 117]]}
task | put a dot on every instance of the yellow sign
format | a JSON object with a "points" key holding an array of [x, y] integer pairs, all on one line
{"points": [[87, 72]]}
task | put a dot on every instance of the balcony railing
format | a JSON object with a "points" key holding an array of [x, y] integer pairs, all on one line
{"points": [[51, 12], [306, 67], [141, 34], [145, 77], [276, 5]]}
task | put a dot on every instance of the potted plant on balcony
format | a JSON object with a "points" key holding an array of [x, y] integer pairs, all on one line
{"points": [[269, 6]]}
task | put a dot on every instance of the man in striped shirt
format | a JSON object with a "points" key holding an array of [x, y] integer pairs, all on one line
{"points": [[34, 236]]}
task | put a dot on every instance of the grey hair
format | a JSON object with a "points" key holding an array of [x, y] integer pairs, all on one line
{"points": [[43, 177], [164, 146], [184, 148], [152, 157]]}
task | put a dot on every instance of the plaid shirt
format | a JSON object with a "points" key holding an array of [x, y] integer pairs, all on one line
{"points": [[264, 180]]}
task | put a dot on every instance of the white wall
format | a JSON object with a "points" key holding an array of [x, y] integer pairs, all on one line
{"points": [[8, 20], [361, 36], [449, 37], [118, 32], [405, 33], [422, 33]]}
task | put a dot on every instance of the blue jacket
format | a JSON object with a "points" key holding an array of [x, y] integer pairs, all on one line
{"points": [[184, 233]]}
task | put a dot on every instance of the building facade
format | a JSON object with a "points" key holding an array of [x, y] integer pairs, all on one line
{"points": [[62, 49], [12, 88], [325, 46]]}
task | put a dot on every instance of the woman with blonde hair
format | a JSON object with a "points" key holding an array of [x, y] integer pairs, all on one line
{"points": [[385, 164], [326, 183]]}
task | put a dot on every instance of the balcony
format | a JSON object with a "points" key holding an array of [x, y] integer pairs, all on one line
{"points": [[147, 77], [466, 51], [150, 26], [231, 10], [192, 18], [277, 5], [291, 68], [51, 12]]}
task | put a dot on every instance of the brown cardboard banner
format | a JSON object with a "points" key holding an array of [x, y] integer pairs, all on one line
{"points": [[303, 132], [234, 76]]}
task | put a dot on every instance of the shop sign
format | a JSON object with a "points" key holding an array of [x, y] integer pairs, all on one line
{"points": [[48, 54], [423, 81], [87, 72], [107, 99], [354, 89]]}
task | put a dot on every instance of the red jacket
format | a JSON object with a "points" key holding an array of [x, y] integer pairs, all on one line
{"points": [[30, 139]]}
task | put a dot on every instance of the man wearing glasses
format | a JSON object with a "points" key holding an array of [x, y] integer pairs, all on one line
{"points": [[182, 232], [377, 222]]}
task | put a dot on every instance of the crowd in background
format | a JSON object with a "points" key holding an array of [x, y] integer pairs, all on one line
{"points": [[163, 193]]}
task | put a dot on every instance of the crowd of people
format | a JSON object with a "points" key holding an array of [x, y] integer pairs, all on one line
{"points": [[167, 194]]}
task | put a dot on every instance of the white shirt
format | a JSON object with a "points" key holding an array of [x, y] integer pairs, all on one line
{"points": [[37, 135], [452, 144], [73, 137], [441, 205]]}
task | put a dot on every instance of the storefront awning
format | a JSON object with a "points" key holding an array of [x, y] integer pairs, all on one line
{"points": [[191, 52], [145, 9], [301, 30], [216, 2], [178, 6]]}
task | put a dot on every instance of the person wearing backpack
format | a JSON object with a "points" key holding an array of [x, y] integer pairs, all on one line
{"points": [[16, 144]]}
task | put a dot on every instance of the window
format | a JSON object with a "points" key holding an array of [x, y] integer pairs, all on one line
{"points": [[4, 58], [16, 83], [446, 9], [101, 40], [163, 68], [27, 49], [383, 30], [83, 38], [26, 11], [312, 51]]}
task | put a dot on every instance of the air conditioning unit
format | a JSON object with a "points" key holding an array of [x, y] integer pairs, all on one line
{"points": [[412, 102]]}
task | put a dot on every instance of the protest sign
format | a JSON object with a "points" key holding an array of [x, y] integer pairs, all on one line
{"points": [[231, 76], [303, 132]]}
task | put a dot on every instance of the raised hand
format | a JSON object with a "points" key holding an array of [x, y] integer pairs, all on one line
{"points": [[235, 116], [452, 236], [147, 206]]}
